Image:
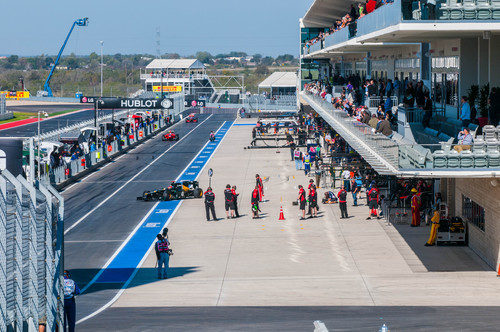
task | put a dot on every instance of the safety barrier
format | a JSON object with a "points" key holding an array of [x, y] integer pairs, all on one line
{"points": [[2, 104], [4, 114], [64, 174], [55, 134], [31, 262]]}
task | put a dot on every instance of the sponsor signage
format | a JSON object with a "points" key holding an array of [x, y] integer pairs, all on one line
{"points": [[165, 103], [93, 100], [16, 94], [194, 103], [167, 88]]}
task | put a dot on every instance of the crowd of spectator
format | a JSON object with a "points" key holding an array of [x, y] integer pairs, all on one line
{"points": [[412, 94], [381, 122], [356, 11]]}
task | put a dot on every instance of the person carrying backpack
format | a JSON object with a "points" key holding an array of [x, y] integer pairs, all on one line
{"points": [[163, 253]]}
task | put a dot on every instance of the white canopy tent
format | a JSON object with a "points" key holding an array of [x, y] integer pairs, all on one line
{"points": [[175, 64], [280, 79], [281, 82]]}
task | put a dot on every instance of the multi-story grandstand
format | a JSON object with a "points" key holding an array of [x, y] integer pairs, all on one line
{"points": [[448, 50]]}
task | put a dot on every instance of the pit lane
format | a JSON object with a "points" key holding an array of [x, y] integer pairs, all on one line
{"points": [[90, 244]]}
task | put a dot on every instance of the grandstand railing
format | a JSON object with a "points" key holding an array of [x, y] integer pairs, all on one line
{"points": [[403, 154], [374, 101]]}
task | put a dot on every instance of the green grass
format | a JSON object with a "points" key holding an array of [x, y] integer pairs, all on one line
{"points": [[18, 116]]}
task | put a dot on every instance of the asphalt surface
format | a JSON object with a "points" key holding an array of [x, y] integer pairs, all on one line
{"points": [[90, 244], [345, 318], [46, 108], [50, 124]]}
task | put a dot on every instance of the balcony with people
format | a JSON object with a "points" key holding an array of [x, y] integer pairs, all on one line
{"points": [[364, 21], [409, 139]]}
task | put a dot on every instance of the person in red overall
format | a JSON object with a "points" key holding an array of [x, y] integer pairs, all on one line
{"points": [[255, 202], [260, 186], [302, 202], [342, 195], [415, 208], [235, 197], [313, 201], [373, 194]]}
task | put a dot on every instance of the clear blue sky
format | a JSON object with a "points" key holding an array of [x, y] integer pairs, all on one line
{"points": [[269, 27]]}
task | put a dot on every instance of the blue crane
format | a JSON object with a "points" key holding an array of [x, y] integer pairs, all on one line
{"points": [[82, 22]]}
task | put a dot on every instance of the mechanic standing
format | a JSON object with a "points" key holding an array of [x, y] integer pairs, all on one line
{"points": [[70, 290], [342, 195], [209, 203], [235, 199], [162, 255], [373, 196], [302, 202], [228, 196], [313, 201], [255, 202], [307, 163], [260, 185], [298, 159], [415, 208], [292, 146]]}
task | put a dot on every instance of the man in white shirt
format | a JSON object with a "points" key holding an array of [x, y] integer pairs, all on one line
{"points": [[328, 97], [346, 175]]}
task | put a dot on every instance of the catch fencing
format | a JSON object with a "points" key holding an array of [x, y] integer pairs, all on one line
{"points": [[4, 114], [63, 174], [31, 261], [2, 104], [54, 135], [105, 151]]}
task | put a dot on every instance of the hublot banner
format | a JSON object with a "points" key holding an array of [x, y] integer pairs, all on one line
{"points": [[106, 102]]}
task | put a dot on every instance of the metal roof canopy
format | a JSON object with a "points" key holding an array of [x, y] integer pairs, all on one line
{"points": [[175, 64], [323, 13], [355, 47], [280, 79], [424, 31]]}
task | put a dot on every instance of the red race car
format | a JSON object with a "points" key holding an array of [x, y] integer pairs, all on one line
{"points": [[170, 136], [192, 118]]}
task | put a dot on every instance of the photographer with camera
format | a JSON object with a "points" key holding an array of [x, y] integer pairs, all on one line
{"points": [[163, 253]]}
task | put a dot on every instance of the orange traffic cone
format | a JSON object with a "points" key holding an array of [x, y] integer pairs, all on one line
{"points": [[498, 274], [282, 215]]}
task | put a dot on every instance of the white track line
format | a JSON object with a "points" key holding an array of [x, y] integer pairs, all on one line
{"points": [[129, 280], [124, 243], [131, 179]]}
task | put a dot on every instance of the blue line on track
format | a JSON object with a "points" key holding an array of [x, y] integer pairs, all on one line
{"points": [[129, 258]]}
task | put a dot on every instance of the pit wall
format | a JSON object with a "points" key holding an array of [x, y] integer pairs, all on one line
{"points": [[486, 193]]}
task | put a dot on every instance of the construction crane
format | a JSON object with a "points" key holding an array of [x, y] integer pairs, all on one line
{"points": [[47, 91]]}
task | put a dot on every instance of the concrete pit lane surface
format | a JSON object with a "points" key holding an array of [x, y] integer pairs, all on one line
{"points": [[101, 211], [258, 275]]}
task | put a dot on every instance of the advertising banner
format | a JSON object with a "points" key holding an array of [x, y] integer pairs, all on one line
{"points": [[107, 103], [167, 88]]}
